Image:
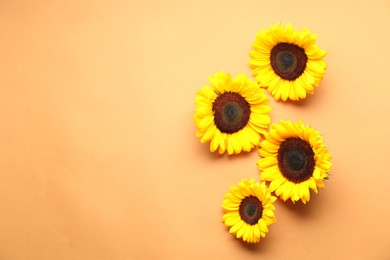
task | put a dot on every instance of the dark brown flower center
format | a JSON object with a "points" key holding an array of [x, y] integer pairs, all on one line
{"points": [[231, 112], [251, 210], [288, 60], [296, 160]]}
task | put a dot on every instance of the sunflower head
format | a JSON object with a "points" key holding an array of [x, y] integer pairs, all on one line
{"points": [[231, 113], [294, 160], [287, 62], [249, 210]]}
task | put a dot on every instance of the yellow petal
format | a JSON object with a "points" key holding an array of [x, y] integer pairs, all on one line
{"points": [[295, 195], [269, 213], [312, 185], [288, 187], [234, 229], [286, 89], [215, 141], [236, 192], [229, 205], [232, 219], [248, 233], [206, 122], [244, 189], [229, 144], [222, 143], [209, 134], [256, 233], [208, 93], [276, 183], [241, 231], [263, 226], [270, 174], [236, 142], [267, 162], [260, 119], [221, 82], [240, 82]]}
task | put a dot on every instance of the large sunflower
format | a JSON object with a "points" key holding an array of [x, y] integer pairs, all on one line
{"points": [[287, 62], [249, 210], [294, 160], [231, 114]]}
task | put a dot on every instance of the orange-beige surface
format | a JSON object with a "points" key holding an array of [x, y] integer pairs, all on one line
{"points": [[98, 154]]}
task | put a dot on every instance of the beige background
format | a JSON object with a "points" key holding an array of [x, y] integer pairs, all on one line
{"points": [[98, 154]]}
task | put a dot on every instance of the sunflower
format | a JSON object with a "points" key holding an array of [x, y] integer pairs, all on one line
{"points": [[249, 210], [231, 114], [294, 160], [287, 62]]}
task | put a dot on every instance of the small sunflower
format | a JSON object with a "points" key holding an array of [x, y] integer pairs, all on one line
{"points": [[287, 62], [231, 114], [249, 210], [294, 160]]}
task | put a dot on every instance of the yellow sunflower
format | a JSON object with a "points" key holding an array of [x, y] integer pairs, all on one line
{"points": [[287, 62], [249, 210], [294, 160], [232, 113]]}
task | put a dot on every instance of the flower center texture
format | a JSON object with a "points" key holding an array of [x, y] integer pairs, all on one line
{"points": [[251, 210], [231, 112], [288, 60], [296, 160]]}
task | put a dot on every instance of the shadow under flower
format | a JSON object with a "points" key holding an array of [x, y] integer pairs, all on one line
{"points": [[260, 247], [303, 210]]}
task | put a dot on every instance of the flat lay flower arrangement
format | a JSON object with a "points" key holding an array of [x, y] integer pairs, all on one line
{"points": [[233, 115]]}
